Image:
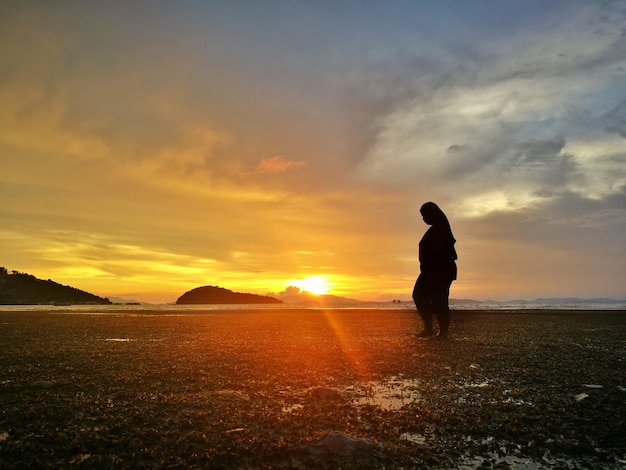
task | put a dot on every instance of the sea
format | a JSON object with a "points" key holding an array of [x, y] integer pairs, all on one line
{"points": [[458, 305]]}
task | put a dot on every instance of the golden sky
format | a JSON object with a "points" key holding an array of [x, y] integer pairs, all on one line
{"points": [[148, 148]]}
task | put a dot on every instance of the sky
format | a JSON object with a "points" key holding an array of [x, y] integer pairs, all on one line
{"points": [[151, 147]]}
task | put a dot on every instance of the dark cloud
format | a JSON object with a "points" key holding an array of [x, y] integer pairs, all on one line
{"points": [[455, 149], [465, 160], [547, 166], [615, 120], [538, 166], [538, 151]]}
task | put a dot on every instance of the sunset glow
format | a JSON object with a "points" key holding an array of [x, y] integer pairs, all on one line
{"points": [[317, 285], [259, 146]]}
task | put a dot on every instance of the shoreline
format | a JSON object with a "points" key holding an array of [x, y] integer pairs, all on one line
{"points": [[541, 311], [247, 308]]}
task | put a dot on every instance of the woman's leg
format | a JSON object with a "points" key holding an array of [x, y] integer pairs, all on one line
{"points": [[423, 303], [441, 294]]}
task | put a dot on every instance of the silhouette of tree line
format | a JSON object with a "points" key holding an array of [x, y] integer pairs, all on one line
{"points": [[18, 288]]}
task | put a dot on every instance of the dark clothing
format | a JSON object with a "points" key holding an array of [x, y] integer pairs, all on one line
{"points": [[437, 255], [437, 271], [431, 298]]}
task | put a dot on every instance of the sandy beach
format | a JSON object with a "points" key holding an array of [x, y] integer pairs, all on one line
{"points": [[307, 388]]}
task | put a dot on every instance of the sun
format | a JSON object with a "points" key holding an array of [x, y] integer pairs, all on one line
{"points": [[317, 285]]}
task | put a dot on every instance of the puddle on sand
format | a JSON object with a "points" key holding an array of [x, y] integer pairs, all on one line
{"points": [[513, 462], [390, 394]]}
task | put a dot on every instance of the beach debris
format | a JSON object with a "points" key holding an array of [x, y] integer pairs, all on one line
{"points": [[4, 436], [292, 408], [483, 384], [42, 384], [623, 389], [115, 396], [598, 330], [231, 431], [414, 438], [340, 444], [474, 366], [327, 393], [80, 459], [581, 396], [593, 386], [234, 394]]}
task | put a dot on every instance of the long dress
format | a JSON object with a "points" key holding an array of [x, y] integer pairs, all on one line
{"points": [[437, 271]]}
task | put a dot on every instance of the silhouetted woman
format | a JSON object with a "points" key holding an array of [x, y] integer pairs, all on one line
{"points": [[437, 271]]}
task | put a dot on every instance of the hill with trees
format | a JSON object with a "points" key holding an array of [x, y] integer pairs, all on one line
{"points": [[219, 295], [25, 289]]}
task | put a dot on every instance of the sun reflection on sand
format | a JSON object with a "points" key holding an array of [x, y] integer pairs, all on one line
{"points": [[354, 355]]}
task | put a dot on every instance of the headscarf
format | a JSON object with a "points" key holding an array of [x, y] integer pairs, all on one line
{"points": [[431, 211]]}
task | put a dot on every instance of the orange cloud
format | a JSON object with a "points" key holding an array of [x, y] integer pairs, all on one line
{"points": [[277, 164]]}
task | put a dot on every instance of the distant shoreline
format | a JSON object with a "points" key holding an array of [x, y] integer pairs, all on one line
{"points": [[540, 311], [227, 309]]}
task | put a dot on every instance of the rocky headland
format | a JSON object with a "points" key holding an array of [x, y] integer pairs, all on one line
{"points": [[219, 295]]}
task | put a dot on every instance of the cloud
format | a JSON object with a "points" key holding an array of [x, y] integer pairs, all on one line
{"points": [[536, 152], [277, 164], [139, 132], [542, 167], [616, 119], [602, 218], [512, 127]]}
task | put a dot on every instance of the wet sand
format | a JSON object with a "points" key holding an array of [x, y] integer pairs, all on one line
{"points": [[261, 389]]}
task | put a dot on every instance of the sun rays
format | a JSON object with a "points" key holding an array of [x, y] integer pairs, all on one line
{"points": [[353, 352]]}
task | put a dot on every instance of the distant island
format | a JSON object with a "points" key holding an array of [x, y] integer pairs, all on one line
{"points": [[24, 289], [219, 295]]}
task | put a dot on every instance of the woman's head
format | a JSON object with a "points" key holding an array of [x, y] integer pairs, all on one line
{"points": [[432, 214]]}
